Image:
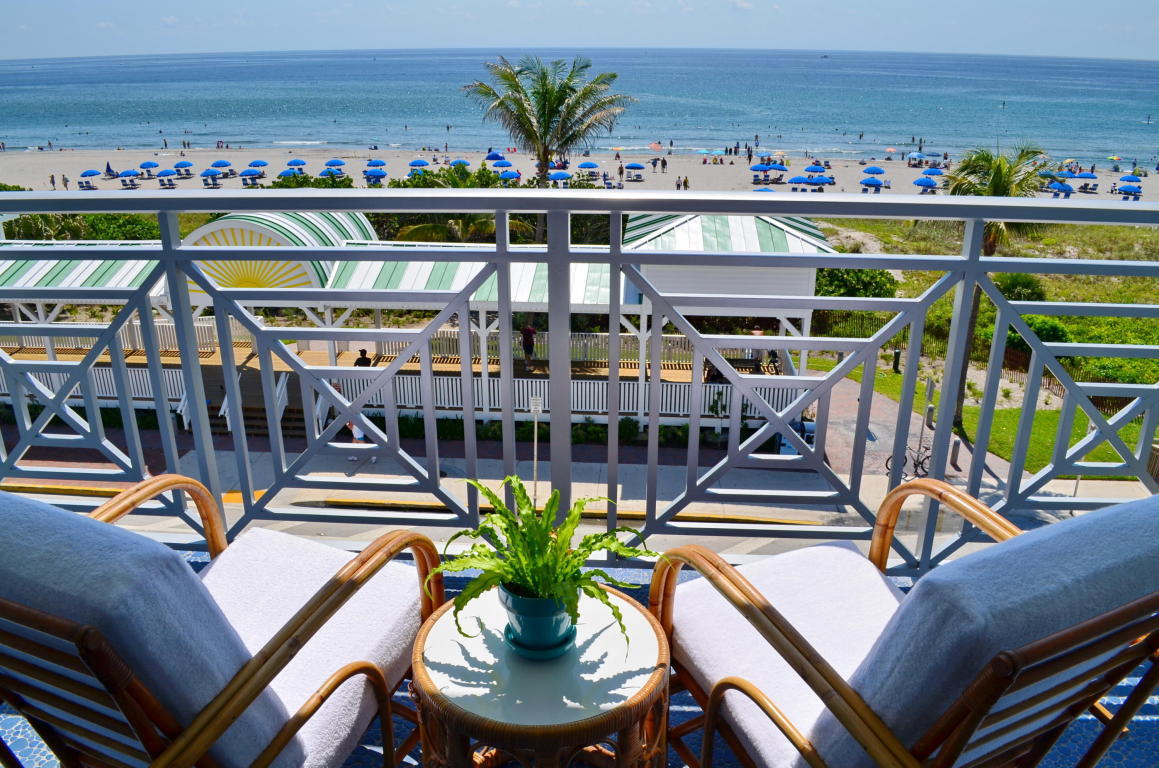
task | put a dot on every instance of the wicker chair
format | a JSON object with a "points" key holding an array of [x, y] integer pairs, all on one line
{"points": [[281, 651], [983, 663]]}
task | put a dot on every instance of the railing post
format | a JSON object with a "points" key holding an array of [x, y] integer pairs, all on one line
{"points": [[559, 351], [957, 361], [197, 414]]}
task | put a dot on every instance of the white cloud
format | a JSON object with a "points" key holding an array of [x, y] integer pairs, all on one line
{"points": [[105, 25], [169, 21]]}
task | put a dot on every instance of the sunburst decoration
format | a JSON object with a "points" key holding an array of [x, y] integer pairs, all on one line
{"points": [[250, 274]]}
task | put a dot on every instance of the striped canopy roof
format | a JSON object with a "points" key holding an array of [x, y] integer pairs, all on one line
{"points": [[590, 282], [81, 273]]}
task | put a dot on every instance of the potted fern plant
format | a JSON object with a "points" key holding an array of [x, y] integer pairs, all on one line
{"points": [[537, 569]]}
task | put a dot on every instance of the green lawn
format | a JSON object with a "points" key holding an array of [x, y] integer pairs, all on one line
{"points": [[1005, 424]]}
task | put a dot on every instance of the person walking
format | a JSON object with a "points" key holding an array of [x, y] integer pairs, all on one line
{"points": [[528, 343], [685, 182], [663, 165], [64, 180], [52, 181]]}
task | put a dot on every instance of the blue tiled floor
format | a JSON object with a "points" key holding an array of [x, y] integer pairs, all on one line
{"points": [[1139, 749]]}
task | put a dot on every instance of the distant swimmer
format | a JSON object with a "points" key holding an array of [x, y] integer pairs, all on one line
{"points": [[1004, 105]]}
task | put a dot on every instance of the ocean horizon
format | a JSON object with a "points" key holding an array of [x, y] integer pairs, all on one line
{"points": [[830, 103]]}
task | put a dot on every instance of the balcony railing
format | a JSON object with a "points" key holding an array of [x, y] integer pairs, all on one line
{"points": [[759, 405]]}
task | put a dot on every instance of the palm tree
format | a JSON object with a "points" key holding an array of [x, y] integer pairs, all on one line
{"points": [[993, 174], [549, 108]]}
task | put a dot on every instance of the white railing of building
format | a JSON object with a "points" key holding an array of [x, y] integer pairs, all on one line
{"points": [[234, 310]]}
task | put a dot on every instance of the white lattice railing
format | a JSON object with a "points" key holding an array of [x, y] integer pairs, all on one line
{"points": [[756, 406]]}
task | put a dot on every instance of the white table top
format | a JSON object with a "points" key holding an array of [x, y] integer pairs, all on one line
{"points": [[486, 678]]}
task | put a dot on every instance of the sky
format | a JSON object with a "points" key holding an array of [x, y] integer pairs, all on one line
{"points": [[1122, 29]]}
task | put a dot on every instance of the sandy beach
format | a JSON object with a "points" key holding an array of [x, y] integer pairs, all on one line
{"points": [[31, 169]]}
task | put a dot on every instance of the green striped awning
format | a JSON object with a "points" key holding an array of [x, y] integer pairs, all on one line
{"points": [[737, 234], [80, 273]]}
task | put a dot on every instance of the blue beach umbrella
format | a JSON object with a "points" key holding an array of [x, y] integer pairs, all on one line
{"points": [[330, 172], [494, 156], [183, 164], [933, 172], [1065, 174], [1131, 178], [759, 167], [1132, 189], [162, 174], [509, 175], [90, 172], [925, 181], [814, 168], [220, 164], [635, 166], [800, 180], [459, 161], [296, 163], [762, 189], [822, 180], [932, 155], [1046, 174], [914, 156], [250, 172], [210, 172], [129, 172], [375, 173], [559, 176], [258, 163], [873, 170], [287, 173], [1060, 186], [416, 172], [148, 164], [501, 164], [418, 162], [335, 163], [1086, 175], [375, 163], [589, 164], [718, 151], [872, 181], [777, 167]]}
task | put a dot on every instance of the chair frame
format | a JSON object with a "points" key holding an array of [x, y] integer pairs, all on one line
{"points": [[162, 740], [1133, 628]]}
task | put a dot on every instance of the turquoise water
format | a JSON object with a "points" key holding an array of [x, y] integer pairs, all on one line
{"points": [[795, 100]]}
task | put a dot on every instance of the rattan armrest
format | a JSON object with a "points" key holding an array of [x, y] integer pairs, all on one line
{"points": [[839, 697], [132, 498], [771, 710], [990, 522], [256, 674], [382, 694]]}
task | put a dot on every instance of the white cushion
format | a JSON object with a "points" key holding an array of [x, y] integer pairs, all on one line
{"points": [[264, 577], [999, 598], [146, 601], [830, 593]]}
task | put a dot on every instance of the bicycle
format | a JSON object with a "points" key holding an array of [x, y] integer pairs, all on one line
{"points": [[917, 459]]}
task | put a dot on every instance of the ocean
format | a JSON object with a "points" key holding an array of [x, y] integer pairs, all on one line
{"points": [[831, 103]]}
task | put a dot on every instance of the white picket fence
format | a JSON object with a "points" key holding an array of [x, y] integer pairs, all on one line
{"points": [[101, 382], [131, 336], [588, 397]]}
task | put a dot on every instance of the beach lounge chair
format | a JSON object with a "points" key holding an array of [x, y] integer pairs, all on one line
{"points": [[116, 652], [1136, 198], [877, 190], [756, 178], [814, 657]]}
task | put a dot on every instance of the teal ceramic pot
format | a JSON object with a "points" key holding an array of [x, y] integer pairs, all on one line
{"points": [[537, 627]]}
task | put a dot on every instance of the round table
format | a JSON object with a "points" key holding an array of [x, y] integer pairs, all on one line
{"points": [[604, 702]]}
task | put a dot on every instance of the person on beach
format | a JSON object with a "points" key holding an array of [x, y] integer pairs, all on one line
{"points": [[663, 165], [64, 180], [52, 181], [685, 182]]}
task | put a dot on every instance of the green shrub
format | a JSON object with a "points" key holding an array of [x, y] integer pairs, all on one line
{"points": [[629, 429], [1017, 286], [1045, 328], [876, 283]]}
